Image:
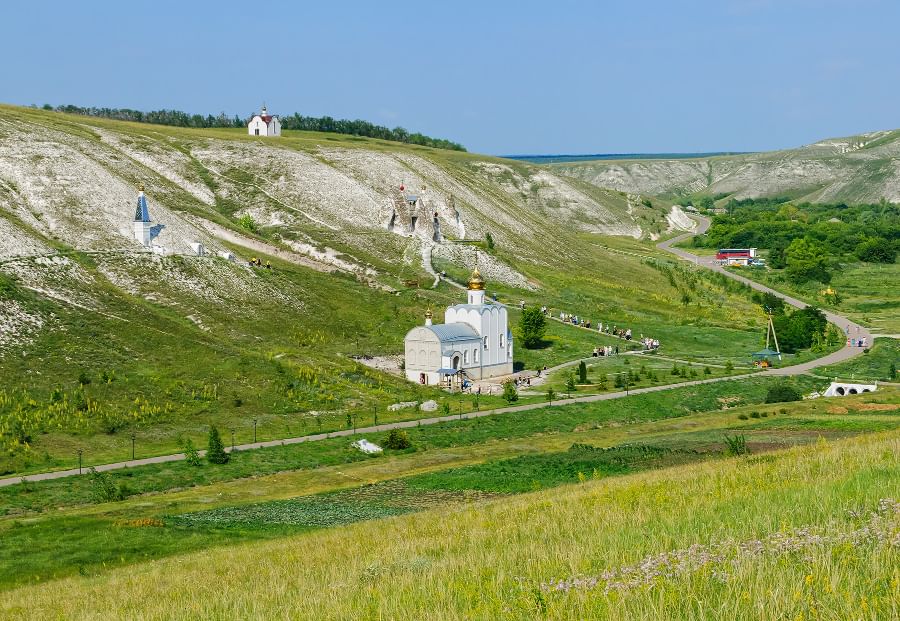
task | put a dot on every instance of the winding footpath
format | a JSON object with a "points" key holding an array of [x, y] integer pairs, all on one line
{"points": [[852, 328], [843, 354]]}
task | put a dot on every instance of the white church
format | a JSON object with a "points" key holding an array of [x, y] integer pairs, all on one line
{"points": [[264, 124], [474, 342]]}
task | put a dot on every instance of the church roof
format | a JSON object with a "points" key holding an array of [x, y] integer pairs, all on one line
{"points": [[140, 213], [450, 332]]}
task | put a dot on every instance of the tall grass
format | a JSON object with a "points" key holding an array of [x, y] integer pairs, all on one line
{"points": [[496, 560]]}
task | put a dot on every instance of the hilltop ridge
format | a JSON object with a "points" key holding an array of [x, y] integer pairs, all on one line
{"points": [[854, 169]]}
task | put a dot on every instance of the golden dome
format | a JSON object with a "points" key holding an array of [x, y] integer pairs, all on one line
{"points": [[429, 314], [476, 282], [141, 187]]}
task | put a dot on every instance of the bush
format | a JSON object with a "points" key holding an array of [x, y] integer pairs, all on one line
{"points": [[397, 440], [754, 414], [104, 488], [247, 222], [780, 393], [215, 450], [743, 416], [736, 445], [191, 454], [489, 240], [510, 394]]}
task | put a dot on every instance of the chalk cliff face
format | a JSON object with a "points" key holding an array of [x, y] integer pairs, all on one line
{"points": [[74, 180], [326, 202], [862, 168]]}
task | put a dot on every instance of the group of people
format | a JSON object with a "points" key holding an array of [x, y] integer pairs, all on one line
{"points": [[647, 342], [605, 350], [859, 341], [258, 263]]}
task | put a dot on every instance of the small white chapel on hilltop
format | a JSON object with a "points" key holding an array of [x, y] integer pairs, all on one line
{"points": [[264, 124], [474, 342]]}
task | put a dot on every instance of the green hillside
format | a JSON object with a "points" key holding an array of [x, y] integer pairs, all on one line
{"points": [[103, 340]]}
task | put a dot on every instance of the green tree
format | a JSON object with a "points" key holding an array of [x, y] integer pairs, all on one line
{"points": [[604, 382], [877, 250], [807, 260], [532, 326], [215, 450], [892, 371], [489, 240], [510, 394], [191, 454], [551, 395], [570, 384], [582, 372]]}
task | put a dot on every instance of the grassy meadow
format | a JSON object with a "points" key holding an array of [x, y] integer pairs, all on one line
{"points": [[868, 293], [664, 526]]}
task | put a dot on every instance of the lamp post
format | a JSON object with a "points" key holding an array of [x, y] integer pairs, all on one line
{"points": [[460, 408], [254, 430], [375, 415], [132, 447], [80, 453], [232, 438]]}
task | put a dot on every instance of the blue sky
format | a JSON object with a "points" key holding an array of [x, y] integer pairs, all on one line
{"points": [[500, 77]]}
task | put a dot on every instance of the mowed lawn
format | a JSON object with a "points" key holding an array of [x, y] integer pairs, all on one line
{"points": [[804, 533]]}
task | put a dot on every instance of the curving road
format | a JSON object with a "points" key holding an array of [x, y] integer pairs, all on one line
{"points": [[854, 330], [838, 356]]}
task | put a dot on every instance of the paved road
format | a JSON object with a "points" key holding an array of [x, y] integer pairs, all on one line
{"points": [[843, 354], [855, 330], [361, 431]]}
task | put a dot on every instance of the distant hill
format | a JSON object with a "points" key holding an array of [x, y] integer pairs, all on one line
{"points": [[563, 158], [863, 168]]}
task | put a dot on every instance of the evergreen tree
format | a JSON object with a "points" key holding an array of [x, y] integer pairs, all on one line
{"points": [[570, 384], [215, 450], [582, 372]]}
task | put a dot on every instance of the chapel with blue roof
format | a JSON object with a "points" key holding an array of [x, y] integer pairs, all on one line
{"points": [[473, 343]]}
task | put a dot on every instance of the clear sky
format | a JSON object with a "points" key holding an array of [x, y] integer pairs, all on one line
{"points": [[501, 77]]}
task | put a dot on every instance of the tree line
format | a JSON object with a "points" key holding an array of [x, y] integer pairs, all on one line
{"points": [[807, 239], [177, 118]]}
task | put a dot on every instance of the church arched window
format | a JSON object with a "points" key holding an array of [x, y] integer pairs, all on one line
{"points": [[475, 356], [485, 342], [466, 357]]}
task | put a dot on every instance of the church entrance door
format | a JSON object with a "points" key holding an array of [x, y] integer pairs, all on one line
{"points": [[455, 362]]}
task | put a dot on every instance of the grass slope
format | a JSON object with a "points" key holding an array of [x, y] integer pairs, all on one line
{"points": [[618, 547]]}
